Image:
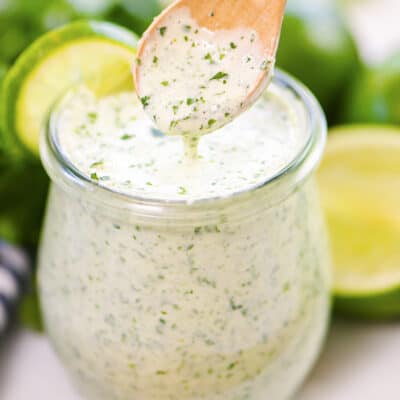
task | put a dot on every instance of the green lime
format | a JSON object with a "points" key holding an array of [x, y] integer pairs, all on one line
{"points": [[359, 180], [135, 13], [375, 95], [317, 48], [98, 54]]}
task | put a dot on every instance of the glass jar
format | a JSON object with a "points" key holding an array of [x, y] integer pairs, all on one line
{"points": [[224, 299]]}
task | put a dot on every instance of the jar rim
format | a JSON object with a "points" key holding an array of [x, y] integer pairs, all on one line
{"points": [[53, 159]]}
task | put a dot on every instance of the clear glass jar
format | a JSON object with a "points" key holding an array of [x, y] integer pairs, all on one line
{"points": [[225, 299]]}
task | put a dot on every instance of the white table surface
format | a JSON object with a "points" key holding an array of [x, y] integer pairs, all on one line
{"points": [[359, 362]]}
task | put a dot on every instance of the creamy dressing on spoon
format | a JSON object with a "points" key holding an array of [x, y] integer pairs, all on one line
{"points": [[192, 81]]}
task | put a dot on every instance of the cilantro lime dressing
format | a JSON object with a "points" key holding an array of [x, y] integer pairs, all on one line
{"points": [[230, 304], [115, 145], [192, 81]]}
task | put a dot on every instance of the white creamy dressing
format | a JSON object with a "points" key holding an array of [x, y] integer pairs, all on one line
{"points": [[181, 308], [161, 308], [112, 142], [192, 81]]}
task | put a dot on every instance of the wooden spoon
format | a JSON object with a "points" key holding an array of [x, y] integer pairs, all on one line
{"points": [[261, 16]]}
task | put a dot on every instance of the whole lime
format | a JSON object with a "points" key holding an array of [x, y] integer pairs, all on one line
{"points": [[135, 14], [375, 95], [317, 48]]}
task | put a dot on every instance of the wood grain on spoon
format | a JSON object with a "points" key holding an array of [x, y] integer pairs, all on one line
{"points": [[219, 17]]}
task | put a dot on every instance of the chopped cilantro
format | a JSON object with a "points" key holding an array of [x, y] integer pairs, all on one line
{"points": [[219, 75], [165, 83], [162, 30], [126, 137], [211, 122], [209, 58], [182, 190], [155, 60], [97, 164], [92, 116], [145, 100], [173, 123], [232, 365], [190, 101], [94, 176], [233, 45]]}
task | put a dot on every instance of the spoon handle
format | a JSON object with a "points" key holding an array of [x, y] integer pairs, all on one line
{"points": [[15, 271]]}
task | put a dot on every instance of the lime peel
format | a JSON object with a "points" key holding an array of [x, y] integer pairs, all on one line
{"points": [[359, 180], [99, 54]]}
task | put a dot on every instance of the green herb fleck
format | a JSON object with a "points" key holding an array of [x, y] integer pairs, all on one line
{"points": [[187, 28], [165, 83], [126, 137], [234, 306], [182, 190], [161, 372], [186, 38], [219, 75], [209, 58], [231, 366], [92, 116], [94, 176], [145, 100], [197, 230], [155, 60], [163, 321], [233, 45], [138, 61], [173, 124], [190, 101], [211, 122], [162, 30], [97, 164], [175, 109], [227, 114]]}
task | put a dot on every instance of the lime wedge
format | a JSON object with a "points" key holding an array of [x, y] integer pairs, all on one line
{"points": [[98, 54], [359, 180]]}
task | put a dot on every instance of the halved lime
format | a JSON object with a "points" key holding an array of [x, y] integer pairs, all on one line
{"points": [[374, 96], [359, 180], [98, 54]]}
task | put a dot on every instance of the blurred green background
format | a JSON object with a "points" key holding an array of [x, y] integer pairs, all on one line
{"points": [[316, 46]]}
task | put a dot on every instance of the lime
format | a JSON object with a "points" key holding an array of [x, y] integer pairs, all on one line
{"points": [[317, 48], [360, 185], [375, 95], [135, 13], [98, 54]]}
